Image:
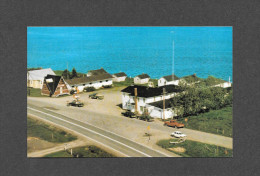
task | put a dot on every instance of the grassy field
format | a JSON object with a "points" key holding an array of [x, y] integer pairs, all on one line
{"points": [[36, 128], [86, 151], [214, 121], [195, 149], [33, 92], [128, 82]]}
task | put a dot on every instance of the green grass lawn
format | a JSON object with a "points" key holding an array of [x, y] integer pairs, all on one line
{"points": [[214, 121], [128, 82], [33, 92], [196, 149], [36, 128], [86, 151]]}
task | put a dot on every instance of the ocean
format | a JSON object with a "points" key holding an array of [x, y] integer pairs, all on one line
{"points": [[157, 51]]}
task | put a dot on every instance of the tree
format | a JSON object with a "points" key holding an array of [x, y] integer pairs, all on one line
{"points": [[74, 73], [66, 74]]}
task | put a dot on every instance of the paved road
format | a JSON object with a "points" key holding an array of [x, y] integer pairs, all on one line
{"points": [[117, 124], [111, 140]]}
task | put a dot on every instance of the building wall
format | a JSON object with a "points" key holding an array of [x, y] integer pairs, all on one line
{"points": [[119, 79], [141, 102], [96, 84], [158, 113], [60, 90], [137, 80], [163, 82], [35, 84], [224, 85]]}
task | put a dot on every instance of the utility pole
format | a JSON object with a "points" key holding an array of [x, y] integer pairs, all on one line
{"points": [[67, 71], [172, 57], [163, 103], [136, 100]]}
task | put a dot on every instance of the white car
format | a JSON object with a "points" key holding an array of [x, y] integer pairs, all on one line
{"points": [[178, 134]]}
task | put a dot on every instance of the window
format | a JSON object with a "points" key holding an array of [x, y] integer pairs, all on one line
{"points": [[144, 100], [141, 108], [90, 83], [84, 84], [100, 81], [106, 80], [72, 86]]}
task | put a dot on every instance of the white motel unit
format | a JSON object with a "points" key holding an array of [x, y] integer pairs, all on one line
{"points": [[147, 95], [119, 77], [141, 79], [97, 82], [168, 80]]}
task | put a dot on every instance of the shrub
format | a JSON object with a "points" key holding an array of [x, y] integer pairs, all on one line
{"points": [[108, 86], [89, 89], [72, 92]]}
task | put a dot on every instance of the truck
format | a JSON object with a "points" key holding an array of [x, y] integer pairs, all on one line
{"points": [[128, 114], [174, 123]]}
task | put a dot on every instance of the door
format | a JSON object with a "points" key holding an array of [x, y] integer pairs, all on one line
{"points": [[61, 91]]}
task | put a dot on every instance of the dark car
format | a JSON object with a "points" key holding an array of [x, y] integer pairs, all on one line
{"points": [[129, 114], [76, 103], [96, 96]]}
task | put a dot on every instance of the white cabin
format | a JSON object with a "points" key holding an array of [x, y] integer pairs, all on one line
{"points": [[141, 79], [168, 80], [35, 77], [119, 77]]}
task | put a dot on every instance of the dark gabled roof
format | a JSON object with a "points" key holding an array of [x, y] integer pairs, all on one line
{"points": [[143, 91], [88, 79], [97, 72], [143, 76], [159, 104], [121, 74], [171, 77], [191, 78], [52, 85]]}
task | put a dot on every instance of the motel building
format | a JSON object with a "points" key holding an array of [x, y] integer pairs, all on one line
{"points": [[168, 80], [142, 79], [145, 96], [35, 78], [96, 81]]}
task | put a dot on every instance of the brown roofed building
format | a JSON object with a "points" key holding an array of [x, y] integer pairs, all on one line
{"points": [[168, 80], [142, 79], [96, 72], [119, 77], [96, 81], [54, 86]]}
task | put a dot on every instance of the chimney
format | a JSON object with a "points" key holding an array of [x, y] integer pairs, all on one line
{"points": [[136, 100]]}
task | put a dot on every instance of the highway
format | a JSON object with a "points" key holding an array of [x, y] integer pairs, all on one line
{"points": [[117, 143]]}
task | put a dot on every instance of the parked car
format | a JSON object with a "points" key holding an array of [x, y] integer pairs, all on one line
{"points": [[76, 103], [178, 134], [129, 114], [96, 96], [174, 123]]}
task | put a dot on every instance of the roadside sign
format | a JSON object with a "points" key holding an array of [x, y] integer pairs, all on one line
{"points": [[148, 128]]}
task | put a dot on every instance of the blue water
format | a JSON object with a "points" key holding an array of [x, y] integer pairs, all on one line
{"points": [[133, 50]]}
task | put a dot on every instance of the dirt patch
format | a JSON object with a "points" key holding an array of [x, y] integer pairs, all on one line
{"points": [[178, 149], [36, 144]]}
